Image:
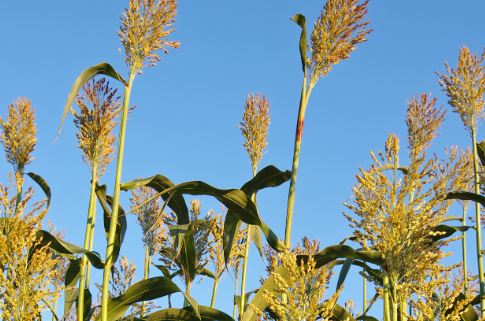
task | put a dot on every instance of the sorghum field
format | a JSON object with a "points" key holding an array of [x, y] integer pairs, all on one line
{"points": [[129, 191]]}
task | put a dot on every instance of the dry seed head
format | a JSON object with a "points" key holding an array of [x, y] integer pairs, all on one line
{"points": [[99, 108], [254, 127], [337, 31], [150, 218], [18, 133], [465, 87], [216, 251], [145, 25]]}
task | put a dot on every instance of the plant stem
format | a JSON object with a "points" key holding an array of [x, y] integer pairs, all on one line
{"points": [[478, 224], [146, 274], [463, 250], [214, 291], [387, 308], [402, 311], [83, 279], [364, 292], [116, 201], [305, 94], [236, 278], [245, 260]]}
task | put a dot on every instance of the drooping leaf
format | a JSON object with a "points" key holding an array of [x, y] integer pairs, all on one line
{"points": [[206, 272], [99, 69], [68, 250], [186, 314], [467, 313], [343, 273], [446, 231], [270, 176], [340, 314], [187, 254], [481, 151], [466, 196], [366, 318], [87, 304], [43, 185], [257, 240], [161, 183], [106, 202], [145, 290], [70, 280], [232, 225], [333, 252], [301, 21]]}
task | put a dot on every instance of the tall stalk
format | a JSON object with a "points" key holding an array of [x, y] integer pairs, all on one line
{"points": [[83, 277], [387, 299], [234, 308], [364, 289], [245, 260], [478, 223], [116, 200], [463, 249], [146, 274], [214, 291], [305, 95]]}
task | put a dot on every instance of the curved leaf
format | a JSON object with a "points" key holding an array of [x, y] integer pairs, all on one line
{"points": [[206, 314], [466, 196], [43, 185], [161, 183], [70, 280], [301, 21], [340, 314], [145, 290], [106, 202], [481, 151], [333, 252], [99, 69], [67, 249], [231, 229], [446, 231], [343, 273], [270, 176], [187, 254]]}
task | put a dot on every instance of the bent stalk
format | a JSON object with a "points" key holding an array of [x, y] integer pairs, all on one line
{"points": [[116, 201], [83, 279]]}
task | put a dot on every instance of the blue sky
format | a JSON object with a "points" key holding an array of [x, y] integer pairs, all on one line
{"points": [[188, 108]]}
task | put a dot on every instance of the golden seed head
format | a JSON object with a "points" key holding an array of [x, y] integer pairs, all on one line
{"points": [[18, 133], [195, 207], [303, 286], [465, 87], [99, 109], [254, 127], [150, 217], [395, 212], [216, 251], [335, 34], [145, 25], [423, 121]]}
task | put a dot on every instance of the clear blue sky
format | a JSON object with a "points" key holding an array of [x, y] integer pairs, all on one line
{"points": [[185, 125]]}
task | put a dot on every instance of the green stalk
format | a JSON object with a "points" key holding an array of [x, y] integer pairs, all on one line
{"points": [[402, 310], [305, 95], [463, 250], [83, 283], [116, 201], [364, 288], [146, 274], [478, 226], [236, 278], [387, 308], [214, 291], [245, 260], [187, 291]]}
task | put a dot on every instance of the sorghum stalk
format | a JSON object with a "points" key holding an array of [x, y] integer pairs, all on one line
{"points": [[305, 95], [146, 273], [214, 291], [387, 308], [478, 223], [463, 250], [245, 261], [364, 289], [116, 200], [234, 308], [83, 277]]}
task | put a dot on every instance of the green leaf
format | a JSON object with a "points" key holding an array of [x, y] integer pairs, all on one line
{"points": [[340, 314], [231, 230], [87, 304], [301, 21], [206, 314], [468, 313], [466, 196], [333, 252], [161, 183], [66, 249], [270, 176], [70, 280], [211, 314], [257, 240], [145, 290], [187, 254], [99, 69], [481, 151], [343, 273], [446, 231], [366, 318], [206, 272], [106, 202], [43, 185]]}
